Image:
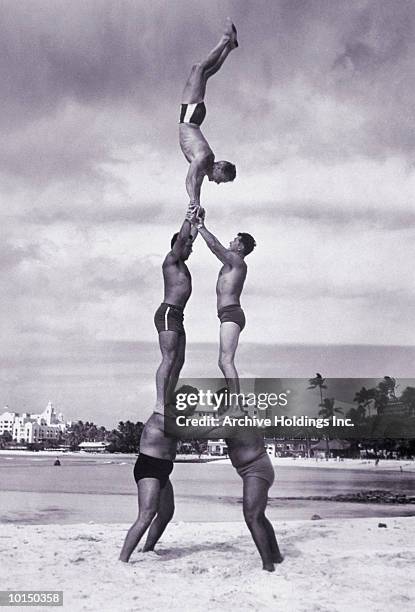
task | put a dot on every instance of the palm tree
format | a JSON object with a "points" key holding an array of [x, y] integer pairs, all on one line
{"points": [[365, 398], [357, 415], [408, 398], [328, 411], [387, 386], [318, 382]]}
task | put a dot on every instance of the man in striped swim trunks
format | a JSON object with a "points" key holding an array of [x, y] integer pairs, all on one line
{"points": [[168, 318], [194, 145]]}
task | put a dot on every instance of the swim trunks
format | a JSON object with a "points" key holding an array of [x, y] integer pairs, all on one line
{"points": [[169, 318], [232, 313], [152, 467], [193, 113], [260, 467]]}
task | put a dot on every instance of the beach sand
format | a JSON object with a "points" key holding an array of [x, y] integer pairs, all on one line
{"points": [[329, 566]]}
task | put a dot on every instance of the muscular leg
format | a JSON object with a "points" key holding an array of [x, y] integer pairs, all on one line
{"points": [[169, 341], [148, 505], [255, 497], [177, 366], [195, 88], [228, 342], [163, 518], [275, 550]]}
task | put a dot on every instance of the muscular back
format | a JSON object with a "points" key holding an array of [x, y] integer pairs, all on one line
{"points": [[154, 442], [230, 282], [177, 281]]}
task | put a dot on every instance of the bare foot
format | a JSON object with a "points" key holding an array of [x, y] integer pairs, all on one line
{"points": [[268, 567], [228, 27], [230, 31]]}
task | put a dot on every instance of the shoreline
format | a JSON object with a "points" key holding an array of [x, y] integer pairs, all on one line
{"points": [[216, 566], [333, 463]]}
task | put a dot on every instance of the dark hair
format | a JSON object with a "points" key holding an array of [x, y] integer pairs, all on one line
{"points": [[173, 240], [228, 169], [248, 242]]}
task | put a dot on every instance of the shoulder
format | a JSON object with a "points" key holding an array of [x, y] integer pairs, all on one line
{"points": [[151, 421], [170, 260], [237, 262]]}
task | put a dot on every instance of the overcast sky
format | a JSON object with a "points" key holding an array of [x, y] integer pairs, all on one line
{"points": [[315, 108]]}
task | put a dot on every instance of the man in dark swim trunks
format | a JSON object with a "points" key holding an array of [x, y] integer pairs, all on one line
{"points": [[155, 491], [228, 290], [151, 473], [192, 142], [168, 318]]}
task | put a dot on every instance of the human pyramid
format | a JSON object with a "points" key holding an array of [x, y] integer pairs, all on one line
{"points": [[157, 448]]}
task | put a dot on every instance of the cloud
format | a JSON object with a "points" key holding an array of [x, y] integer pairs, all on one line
{"points": [[11, 255]]}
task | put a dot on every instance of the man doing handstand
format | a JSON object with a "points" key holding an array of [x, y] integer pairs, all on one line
{"points": [[192, 142]]}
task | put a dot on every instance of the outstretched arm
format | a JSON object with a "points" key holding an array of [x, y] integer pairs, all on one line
{"points": [[186, 231], [193, 232], [195, 175], [222, 253]]}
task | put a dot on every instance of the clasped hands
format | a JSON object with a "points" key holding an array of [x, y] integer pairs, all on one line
{"points": [[195, 214]]}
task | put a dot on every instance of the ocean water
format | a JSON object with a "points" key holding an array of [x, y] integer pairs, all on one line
{"points": [[101, 489]]}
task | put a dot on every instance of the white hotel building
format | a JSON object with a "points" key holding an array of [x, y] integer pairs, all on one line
{"points": [[32, 428]]}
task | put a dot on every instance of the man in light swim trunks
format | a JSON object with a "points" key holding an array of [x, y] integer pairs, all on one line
{"points": [[228, 290], [251, 461], [248, 456], [192, 142], [168, 318]]}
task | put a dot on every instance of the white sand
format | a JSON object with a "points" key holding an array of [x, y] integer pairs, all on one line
{"points": [[329, 566]]}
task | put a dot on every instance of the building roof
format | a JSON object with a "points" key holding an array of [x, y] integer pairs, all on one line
{"points": [[93, 444], [333, 445]]}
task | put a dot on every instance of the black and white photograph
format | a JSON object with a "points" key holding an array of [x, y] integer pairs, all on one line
{"points": [[207, 298]]}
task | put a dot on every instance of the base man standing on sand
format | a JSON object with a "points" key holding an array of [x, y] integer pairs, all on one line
{"points": [[169, 316], [229, 287], [155, 492], [158, 444], [251, 461], [193, 110], [248, 456]]}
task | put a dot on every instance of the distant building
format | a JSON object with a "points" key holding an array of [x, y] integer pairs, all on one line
{"points": [[336, 448], [286, 447], [7, 421], [217, 447], [395, 407], [32, 428], [93, 447]]}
